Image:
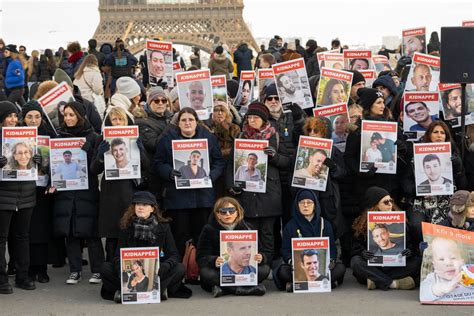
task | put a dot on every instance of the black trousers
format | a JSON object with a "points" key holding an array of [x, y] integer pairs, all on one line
{"points": [[74, 253], [110, 248], [415, 219], [38, 258], [16, 96], [211, 277], [187, 224], [384, 276], [285, 274], [110, 272], [265, 227], [18, 224]]}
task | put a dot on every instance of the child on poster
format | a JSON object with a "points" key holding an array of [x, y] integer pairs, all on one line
{"points": [[19, 147], [195, 91]]}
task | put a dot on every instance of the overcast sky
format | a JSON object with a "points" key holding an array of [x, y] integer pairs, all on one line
{"points": [[53, 23]]}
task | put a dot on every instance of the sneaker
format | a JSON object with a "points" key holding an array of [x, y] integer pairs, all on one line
{"points": [[74, 278], [406, 283], [217, 291], [95, 278]]}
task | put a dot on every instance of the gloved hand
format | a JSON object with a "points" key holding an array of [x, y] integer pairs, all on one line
{"points": [[235, 190], [104, 147], [163, 84], [37, 159], [270, 151], [367, 255], [3, 161], [372, 171], [332, 264], [140, 145], [296, 111], [86, 146], [175, 173], [407, 253], [330, 163]]}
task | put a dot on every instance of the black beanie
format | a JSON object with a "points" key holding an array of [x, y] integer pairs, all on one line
{"points": [[219, 50], [7, 108], [31, 106], [258, 109], [232, 88], [356, 77], [367, 97], [373, 195], [79, 107], [305, 195], [144, 197], [270, 90]]}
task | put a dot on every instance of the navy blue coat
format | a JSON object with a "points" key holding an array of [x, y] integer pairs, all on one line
{"points": [[243, 58], [163, 165]]}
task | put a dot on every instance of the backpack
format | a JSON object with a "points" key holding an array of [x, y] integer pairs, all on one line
{"points": [[190, 264]]}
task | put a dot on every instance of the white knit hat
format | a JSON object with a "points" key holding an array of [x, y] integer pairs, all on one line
{"points": [[128, 87]]}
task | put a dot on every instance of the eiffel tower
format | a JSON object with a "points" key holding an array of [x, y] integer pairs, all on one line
{"points": [[199, 23]]}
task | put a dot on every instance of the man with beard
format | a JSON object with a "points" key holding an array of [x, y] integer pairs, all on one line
{"points": [[381, 236], [196, 96], [420, 113], [315, 168], [119, 151], [413, 44], [240, 254], [421, 78], [452, 104], [193, 170], [310, 265], [288, 91], [249, 172]]}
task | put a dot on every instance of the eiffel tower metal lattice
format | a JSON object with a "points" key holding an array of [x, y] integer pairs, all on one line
{"points": [[200, 23]]}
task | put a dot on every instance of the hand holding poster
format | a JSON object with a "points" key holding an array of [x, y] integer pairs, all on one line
{"points": [[160, 62], [447, 271], [381, 63], [54, 101], [310, 258], [424, 73], [292, 83], [19, 147], [386, 238], [339, 117], [433, 169], [122, 161], [310, 171], [414, 40], [334, 87], [219, 88], [245, 92], [139, 275], [358, 59], [68, 164], [421, 109], [191, 158], [239, 248], [450, 97], [195, 91], [378, 147], [43, 170], [250, 165]]}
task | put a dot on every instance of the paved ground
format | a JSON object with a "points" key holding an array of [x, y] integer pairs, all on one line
{"points": [[57, 298]]}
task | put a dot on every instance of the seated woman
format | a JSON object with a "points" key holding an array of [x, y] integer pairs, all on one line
{"points": [[143, 226], [228, 215], [306, 222], [384, 278]]}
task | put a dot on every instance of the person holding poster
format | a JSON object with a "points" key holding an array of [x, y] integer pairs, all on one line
{"points": [[188, 208], [377, 199], [307, 222], [75, 211], [228, 216], [143, 226]]}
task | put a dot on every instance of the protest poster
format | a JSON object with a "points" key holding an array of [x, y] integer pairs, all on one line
{"points": [[219, 88], [386, 238], [159, 57], [378, 148], [310, 259], [264, 78], [195, 91], [468, 23], [250, 165], [424, 73], [310, 171], [358, 59], [239, 248], [292, 83], [245, 91], [369, 76], [413, 41], [381, 63], [68, 164], [421, 108], [43, 169], [122, 161], [19, 147], [320, 58], [433, 169], [334, 87], [447, 270], [176, 68], [451, 105], [331, 60], [139, 279], [53, 103], [191, 158], [338, 114]]}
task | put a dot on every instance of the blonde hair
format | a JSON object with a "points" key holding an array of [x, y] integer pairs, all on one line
{"points": [[44, 88], [30, 64], [89, 61], [118, 112]]}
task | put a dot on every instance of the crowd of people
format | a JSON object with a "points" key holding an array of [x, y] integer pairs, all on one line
{"points": [[43, 226]]}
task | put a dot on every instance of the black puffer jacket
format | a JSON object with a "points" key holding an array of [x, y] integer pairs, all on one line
{"points": [[243, 58]]}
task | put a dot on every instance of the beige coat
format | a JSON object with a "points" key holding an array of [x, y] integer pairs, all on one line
{"points": [[91, 78]]}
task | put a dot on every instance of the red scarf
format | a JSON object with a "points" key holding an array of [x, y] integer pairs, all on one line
{"points": [[75, 57], [265, 132]]}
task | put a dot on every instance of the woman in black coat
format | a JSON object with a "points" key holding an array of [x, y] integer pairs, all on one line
{"points": [[228, 215], [154, 231], [17, 200], [75, 212]]}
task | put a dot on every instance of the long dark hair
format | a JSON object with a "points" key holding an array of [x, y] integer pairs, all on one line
{"points": [[129, 216], [431, 127]]}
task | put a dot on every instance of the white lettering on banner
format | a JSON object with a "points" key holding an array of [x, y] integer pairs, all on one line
{"points": [[121, 132], [193, 76], [54, 95], [288, 67], [387, 218], [239, 237], [139, 254], [11, 133], [310, 244], [191, 145], [250, 146], [330, 111], [66, 144]]}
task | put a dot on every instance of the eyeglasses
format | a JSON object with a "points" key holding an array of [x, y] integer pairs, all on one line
{"points": [[306, 202], [387, 202], [162, 101], [219, 110], [227, 210], [312, 130], [272, 98]]}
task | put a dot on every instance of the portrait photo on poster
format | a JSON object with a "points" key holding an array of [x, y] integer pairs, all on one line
{"points": [[424, 73], [19, 145]]}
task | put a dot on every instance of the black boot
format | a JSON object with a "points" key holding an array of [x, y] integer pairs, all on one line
{"points": [[25, 284], [6, 288]]}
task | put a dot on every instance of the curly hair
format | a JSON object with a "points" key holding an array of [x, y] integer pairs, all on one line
{"points": [[315, 123], [360, 223]]}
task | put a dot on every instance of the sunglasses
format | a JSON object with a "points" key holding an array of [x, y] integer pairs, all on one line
{"points": [[387, 202], [227, 210], [273, 98], [162, 101]]}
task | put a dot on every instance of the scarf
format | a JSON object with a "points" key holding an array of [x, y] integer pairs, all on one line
{"points": [[143, 228], [265, 132]]}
